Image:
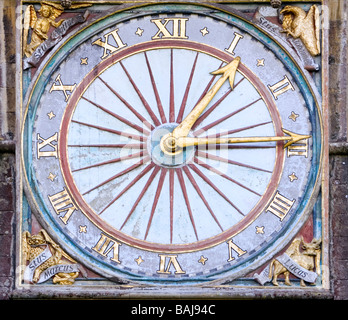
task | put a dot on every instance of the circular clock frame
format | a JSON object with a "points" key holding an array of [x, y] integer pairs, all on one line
{"points": [[238, 269], [224, 235]]}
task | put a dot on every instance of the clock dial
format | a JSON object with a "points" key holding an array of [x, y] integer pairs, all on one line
{"points": [[112, 135], [183, 147]]}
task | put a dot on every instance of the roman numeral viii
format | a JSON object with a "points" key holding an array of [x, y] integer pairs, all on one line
{"points": [[63, 204]]}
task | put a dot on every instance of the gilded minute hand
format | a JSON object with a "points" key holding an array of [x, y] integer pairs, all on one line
{"points": [[228, 72], [291, 138]]}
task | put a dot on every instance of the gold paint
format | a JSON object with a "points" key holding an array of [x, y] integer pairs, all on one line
{"points": [[51, 176], [172, 262], [260, 62], [49, 12], [51, 115], [202, 260], [260, 230], [280, 206], [26, 104], [139, 260], [204, 31], [281, 87], [305, 26], [307, 255], [299, 148], [169, 143], [81, 92], [293, 116], [34, 245], [140, 5], [41, 143], [102, 247], [108, 48], [178, 30], [293, 177], [83, 229], [234, 43], [139, 32], [62, 87], [291, 139], [84, 61], [62, 203], [233, 246]]}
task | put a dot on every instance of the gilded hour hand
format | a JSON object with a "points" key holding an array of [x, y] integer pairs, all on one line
{"points": [[168, 142], [290, 139]]}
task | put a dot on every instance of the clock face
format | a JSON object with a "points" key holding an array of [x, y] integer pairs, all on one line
{"points": [[170, 147]]}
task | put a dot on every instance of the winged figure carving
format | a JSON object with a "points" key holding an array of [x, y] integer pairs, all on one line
{"points": [[305, 26], [37, 24], [40, 26]]}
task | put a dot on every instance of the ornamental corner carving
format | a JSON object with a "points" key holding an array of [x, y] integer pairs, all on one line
{"points": [[40, 25], [305, 26], [46, 259], [301, 259], [37, 25]]}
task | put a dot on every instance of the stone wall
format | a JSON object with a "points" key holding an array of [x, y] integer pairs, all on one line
{"points": [[338, 183], [7, 145], [338, 94]]}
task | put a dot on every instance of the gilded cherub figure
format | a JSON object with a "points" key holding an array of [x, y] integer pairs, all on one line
{"points": [[49, 12]]}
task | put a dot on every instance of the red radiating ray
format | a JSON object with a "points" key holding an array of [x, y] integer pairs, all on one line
{"points": [[120, 133], [211, 147], [128, 157], [218, 158], [116, 145], [171, 201], [213, 124], [143, 100], [202, 95], [138, 115], [147, 185], [195, 169], [195, 185], [155, 201], [225, 133], [153, 82], [132, 183], [188, 87], [187, 201], [208, 85], [171, 94], [210, 168], [129, 123], [134, 166], [212, 108]]}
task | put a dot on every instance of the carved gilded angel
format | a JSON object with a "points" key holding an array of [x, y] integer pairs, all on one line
{"points": [[305, 26], [48, 12]]}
